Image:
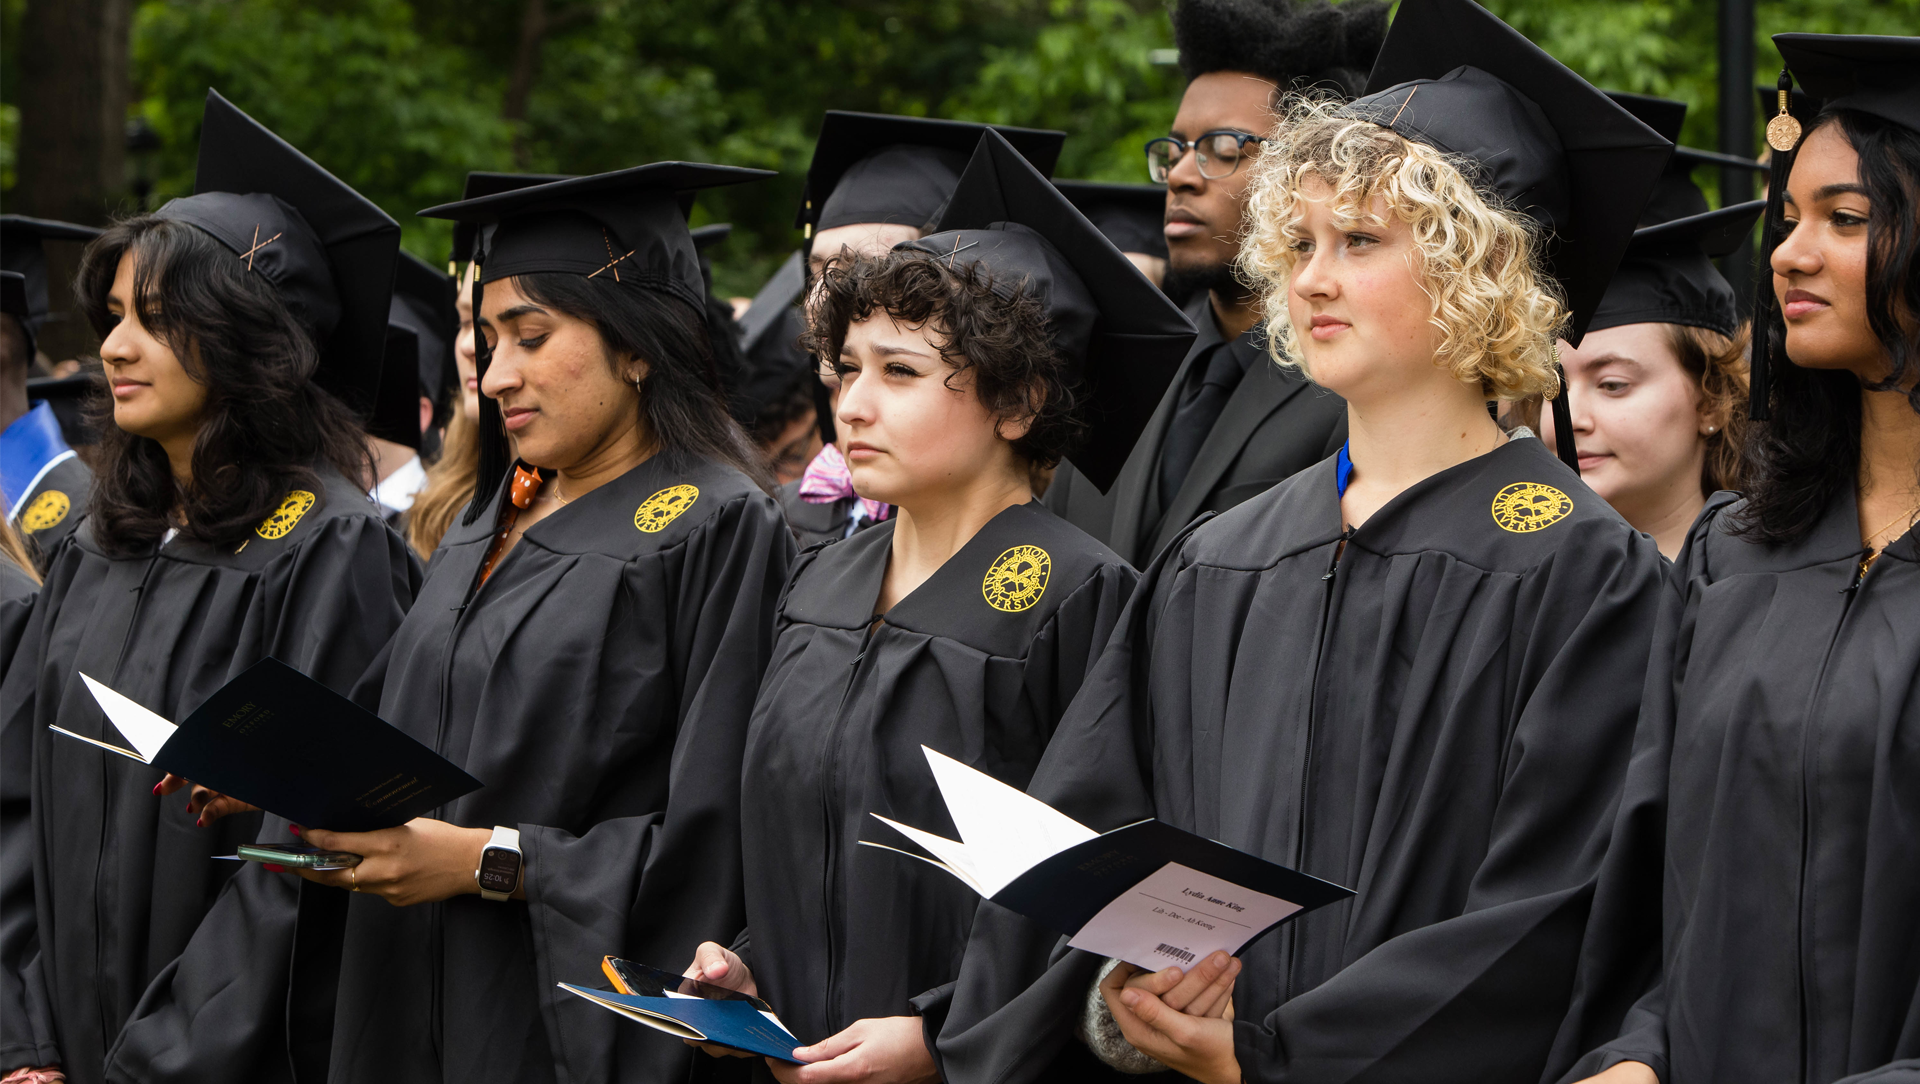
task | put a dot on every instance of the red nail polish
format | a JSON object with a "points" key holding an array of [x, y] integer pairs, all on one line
{"points": [[156, 788], [296, 829], [273, 867], [199, 823]]}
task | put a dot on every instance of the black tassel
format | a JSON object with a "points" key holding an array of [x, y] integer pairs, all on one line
{"points": [[1766, 308], [495, 454], [1563, 421]]}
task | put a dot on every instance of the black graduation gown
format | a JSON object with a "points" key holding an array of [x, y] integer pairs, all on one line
{"points": [[813, 523], [599, 684], [54, 508], [16, 602], [1440, 722], [1774, 803], [103, 884], [978, 663]]}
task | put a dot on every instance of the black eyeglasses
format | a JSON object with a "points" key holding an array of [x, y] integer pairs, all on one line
{"points": [[1219, 152]]}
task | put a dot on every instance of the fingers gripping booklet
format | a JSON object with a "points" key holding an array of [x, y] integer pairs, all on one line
{"points": [[1147, 893], [691, 1009], [275, 738]]}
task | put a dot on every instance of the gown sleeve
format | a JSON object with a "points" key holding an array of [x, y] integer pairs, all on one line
{"points": [[1479, 996], [1618, 1010], [26, 1014], [217, 1011], [1058, 663], [652, 886]]}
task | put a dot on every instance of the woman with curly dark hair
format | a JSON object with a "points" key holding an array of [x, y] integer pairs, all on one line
{"points": [[1014, 335], [1762, 885], [229, 522]]}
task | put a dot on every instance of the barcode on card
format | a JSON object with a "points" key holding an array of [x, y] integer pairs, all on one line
{"points": [[1179, 954]]}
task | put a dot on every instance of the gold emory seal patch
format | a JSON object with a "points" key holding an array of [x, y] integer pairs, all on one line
{"points": [[1017, 579], [1525, 507], [281, 523], [48, 509], [664, 507]]}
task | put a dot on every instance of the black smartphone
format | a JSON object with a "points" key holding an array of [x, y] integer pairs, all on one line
{"points": [[640, 980], [295, 855]]}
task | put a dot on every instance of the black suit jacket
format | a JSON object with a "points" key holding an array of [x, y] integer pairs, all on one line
{"points": [[1275, 425]]}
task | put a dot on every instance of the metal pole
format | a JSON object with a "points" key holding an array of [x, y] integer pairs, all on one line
{"points": [[1736, 128]]}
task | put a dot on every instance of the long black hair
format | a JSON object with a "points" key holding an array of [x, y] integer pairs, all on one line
{"points": [[266, 426], [1806, 451], [682, 396]]}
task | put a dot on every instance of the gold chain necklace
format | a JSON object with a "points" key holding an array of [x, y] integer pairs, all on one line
{"points": [[1874, 554]]}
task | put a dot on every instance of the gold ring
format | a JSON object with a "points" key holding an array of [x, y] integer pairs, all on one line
{"points": [[353, 878]]}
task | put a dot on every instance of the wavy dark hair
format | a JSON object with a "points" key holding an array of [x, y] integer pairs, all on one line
{"points": [[1005, 341], [1806, 451], [682, 396], [266, 429]]}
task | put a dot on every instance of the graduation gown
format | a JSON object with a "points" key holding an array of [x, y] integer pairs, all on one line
{"points": [[1440, 721], [1768, 835], [1275, 424], [978, 663], [102, 883], [599, 684]]}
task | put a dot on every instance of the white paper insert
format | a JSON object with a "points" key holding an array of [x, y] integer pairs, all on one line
{"points": [[1003, 832], [1176, 916], [146, 731]]}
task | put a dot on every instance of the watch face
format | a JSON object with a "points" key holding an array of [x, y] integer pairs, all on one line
{"points": [[499, 869]]}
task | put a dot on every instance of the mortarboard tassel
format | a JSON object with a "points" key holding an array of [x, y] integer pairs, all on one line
{"points": [[495, 455], [1563, 419], [1783, 136]]}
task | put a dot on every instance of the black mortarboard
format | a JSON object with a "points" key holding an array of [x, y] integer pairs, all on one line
{"points": [[628, 226], [1668, 275], [1453, 76], [1870, 73], [704, 239], [396, 408], [13, 299], [1132, 216], [768, 332], [871, 167], [1675, 196], [1122, 339], [481, 183], [68, 396], [327, 249], [424, 303], [22, 254]]}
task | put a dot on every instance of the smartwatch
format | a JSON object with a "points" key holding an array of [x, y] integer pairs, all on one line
{"points": [[499, 872]]}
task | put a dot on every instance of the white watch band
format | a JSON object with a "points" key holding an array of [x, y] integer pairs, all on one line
{"points": [[503, 839]]}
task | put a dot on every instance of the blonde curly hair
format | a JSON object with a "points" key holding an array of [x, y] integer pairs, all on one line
{"points": [[1497, 310]]}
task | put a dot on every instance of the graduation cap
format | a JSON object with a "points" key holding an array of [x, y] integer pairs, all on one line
{"points": [[628, 226], [1675, 196], [871, 167], [68, 396], [1668, 275], [396, 407], [1454, 77], [21, 253], [767, 333], [1870, 73], [481, 183], [704, 239], [1132, 216], [1122, 339], [424, 303], [13, 298], [327, 249]]}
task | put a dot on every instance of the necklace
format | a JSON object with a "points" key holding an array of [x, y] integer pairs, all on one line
{"points": [[1874, 554], [557, 495]]}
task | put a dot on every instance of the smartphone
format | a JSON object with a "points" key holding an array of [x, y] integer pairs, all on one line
{"points": [[643, 981], [293, 855]]}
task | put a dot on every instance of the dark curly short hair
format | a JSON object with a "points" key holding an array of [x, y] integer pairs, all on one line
{"points": [[998, 330], [1296, 44]]}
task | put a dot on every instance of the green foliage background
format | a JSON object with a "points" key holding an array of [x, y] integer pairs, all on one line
{"points": [[402, 97]]}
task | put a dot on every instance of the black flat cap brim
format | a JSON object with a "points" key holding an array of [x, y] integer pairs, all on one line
{"points": [[240, 156], [1138, 337], [1133, 216], [847, 137], [481, 183], [1872, 73], [1612, 159]]}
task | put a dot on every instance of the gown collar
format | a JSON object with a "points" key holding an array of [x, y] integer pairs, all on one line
{"points": [[29, 448]]}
